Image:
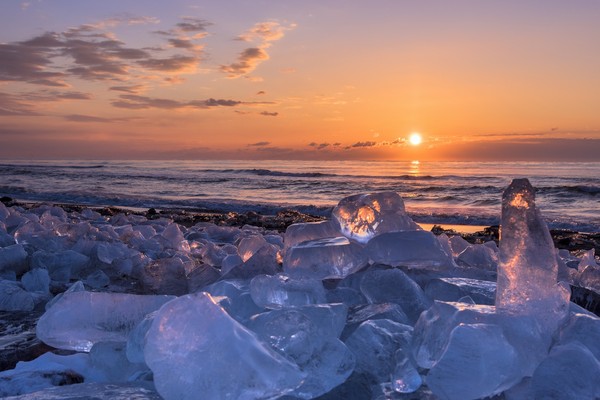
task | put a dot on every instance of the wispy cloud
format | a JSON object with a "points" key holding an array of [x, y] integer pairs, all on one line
{"points": [[269, 114], [136, 102], [259, 144], [264, 34]]}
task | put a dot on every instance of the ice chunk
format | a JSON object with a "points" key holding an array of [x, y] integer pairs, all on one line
{"points": [[433, 330], [452, 289], [280, 291], [394, 286], [97, 279], [414, 249], [164, 276], [76, 287], [569, 372], [80, 319], [478, 256], [324, 259], [458, 245], [584, 329], [478, 362], [36, 280], [298, 233], [13, 298], [13, 258], [95, 390], [528, 270], [405, 377], [308, 336], [364, 216], [358, 315], [250, 245], [375, 343], [110, 360], [136, 341], [238, 303], [195, 348], [61, 265], [264, 261]]}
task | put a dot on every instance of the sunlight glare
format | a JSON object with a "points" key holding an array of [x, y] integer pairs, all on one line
{"points": [[415, 139]]}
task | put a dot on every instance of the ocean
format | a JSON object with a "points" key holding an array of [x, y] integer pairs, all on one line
{"points": [[466, 193]]}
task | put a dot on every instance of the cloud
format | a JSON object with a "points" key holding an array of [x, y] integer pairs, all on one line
{"points": [[269, 114], [247, 61], [92, 53], [134, 89], [264, 33], [12, 106], [260, 92], [319, 146], [136, 102], [364, 144], [90, 118], [259, 144]]}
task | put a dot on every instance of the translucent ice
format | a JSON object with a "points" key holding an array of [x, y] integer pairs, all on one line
{"points": [[528, 270], [364, 216], [250, 245], [452, 289], [298, 233], [237, 302], [324, 259], [279, 291], [13, 258], [415, 249], [570, 372], [584, 329], [14, 298], [195, 348], [61, 265], [308, 335], [478, 256], [80, 319], [375, 343], [478, 362], [36, 280], [405, 377], [97, 279], [164, 276], [109, 360], [394, 286]]}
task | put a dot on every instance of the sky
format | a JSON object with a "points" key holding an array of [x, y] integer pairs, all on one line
{"points": [[311, 79]]}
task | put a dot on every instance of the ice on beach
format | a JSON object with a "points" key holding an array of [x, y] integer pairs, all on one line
{"points": [[36, 280], [528, 268], [414, 249], [303, 232], [279, 291], [324, 259], [479, 256], [13, 259], [61, 265], [583, 329], [394, 286], [97, 279], [110, 363], [309, 336], [194, 347], [453, 289], [250, 245], [164, 276], [375, 343], [236, 299], [569, 372], [363, 216], [358, 315], [477, 362], [14, 298], [80, 319]]}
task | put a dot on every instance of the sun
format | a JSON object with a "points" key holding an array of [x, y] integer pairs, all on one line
{"points": [[415, 139]]}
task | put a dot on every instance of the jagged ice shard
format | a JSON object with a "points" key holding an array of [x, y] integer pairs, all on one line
{"points": [[528, 268]]}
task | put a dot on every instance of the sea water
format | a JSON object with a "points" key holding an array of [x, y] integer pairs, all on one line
{"points": [[434, 192]]}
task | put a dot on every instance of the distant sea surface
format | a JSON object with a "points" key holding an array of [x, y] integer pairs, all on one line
{"points": [[466, 193]]}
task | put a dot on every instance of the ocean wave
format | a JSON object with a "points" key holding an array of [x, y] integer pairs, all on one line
{"points": [[46, 166]]}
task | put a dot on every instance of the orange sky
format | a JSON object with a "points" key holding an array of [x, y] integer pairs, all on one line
{"points": [[307, 80]]}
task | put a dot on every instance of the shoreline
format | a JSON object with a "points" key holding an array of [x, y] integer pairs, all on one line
{"points": [[567, 239]]}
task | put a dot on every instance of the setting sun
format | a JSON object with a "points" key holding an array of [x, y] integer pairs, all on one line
{"points": [[415, 139]]}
